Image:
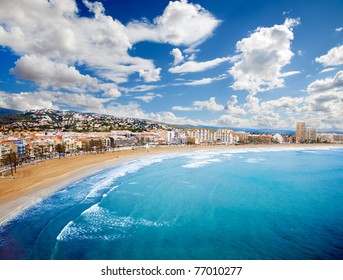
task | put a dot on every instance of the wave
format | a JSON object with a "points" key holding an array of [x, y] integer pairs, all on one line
{"points": [[111, 175], [198, 164], [97, 222]]}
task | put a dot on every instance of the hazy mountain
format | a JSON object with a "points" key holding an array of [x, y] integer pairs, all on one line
{"points": [[4, 111]]}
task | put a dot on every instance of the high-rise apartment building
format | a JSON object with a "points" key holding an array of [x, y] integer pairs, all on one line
{"points": [[300, 132], [310, 134], [305, 134]]}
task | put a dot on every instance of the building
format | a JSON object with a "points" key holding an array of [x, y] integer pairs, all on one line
{"points": [[225, 136], [300, 132], [310, 134], [305, 134], [4, 150], [330, 138]]}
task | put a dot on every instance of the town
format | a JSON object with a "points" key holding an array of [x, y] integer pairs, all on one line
{"points": [[45, 134]]}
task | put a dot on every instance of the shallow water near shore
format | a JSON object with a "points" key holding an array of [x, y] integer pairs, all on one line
{"points": [[227, 204]]}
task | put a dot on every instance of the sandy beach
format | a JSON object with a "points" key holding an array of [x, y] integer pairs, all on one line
{"points": [[34, 182]]}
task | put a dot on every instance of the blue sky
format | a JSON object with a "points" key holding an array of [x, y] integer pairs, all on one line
{"points": [[258, 64]]}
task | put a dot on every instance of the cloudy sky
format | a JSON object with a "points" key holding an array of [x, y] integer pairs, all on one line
{"points": [[238, 63]]}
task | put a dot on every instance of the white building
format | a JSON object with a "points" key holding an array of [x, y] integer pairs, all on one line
{"points": [[4, 150]]}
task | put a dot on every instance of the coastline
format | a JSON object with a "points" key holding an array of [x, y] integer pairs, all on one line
{"points": [[35, 182]]}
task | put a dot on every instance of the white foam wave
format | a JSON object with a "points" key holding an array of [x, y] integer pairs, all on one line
{"points": [[198, 164], [99, 223], [202, 156], [112, 175], [227, 155]]}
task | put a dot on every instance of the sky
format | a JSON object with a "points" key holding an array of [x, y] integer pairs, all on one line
{"points": [[238, 63]]}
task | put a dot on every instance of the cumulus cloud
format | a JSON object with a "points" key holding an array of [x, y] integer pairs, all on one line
{"points": [[330, 103], [55, 30], [262, 56], [210, 105], [232, 109], [181, 23], [178, 57], [150, 75], [113, 93], [283, 102], [333, 83], [252, 104], [193, 66], [334, 57], [231, 121], [339, 29], [52, 100], [48, 73]]}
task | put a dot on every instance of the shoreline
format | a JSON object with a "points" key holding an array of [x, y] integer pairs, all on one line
{"points": [[35, 182]]}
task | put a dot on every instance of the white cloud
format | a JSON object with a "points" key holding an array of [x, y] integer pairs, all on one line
{"points": [[52, 100], [181, 23], [333, 58], [209, 105], [339, 29], [191, 56], [252, 104], [133, 110], [25, 101], [141, 88], [283, 102], [184, 108], [327, 70], [54, 29], [204, 81], [150, 75], [328, 84], [178, 57], [322, 110], [48, 73], [231, 121], [113, 93], [262, 56], [232, 109], [150, 96], [290, 73], [193, 66], [130, 110]]}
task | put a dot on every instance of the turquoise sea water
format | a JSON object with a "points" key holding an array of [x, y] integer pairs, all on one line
{"points": [[228, 204]]}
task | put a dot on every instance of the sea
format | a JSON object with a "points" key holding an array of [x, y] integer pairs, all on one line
{"points": [[227, 204]]}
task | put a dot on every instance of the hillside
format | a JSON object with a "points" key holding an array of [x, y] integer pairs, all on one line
{"points": [[51, 120]]}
